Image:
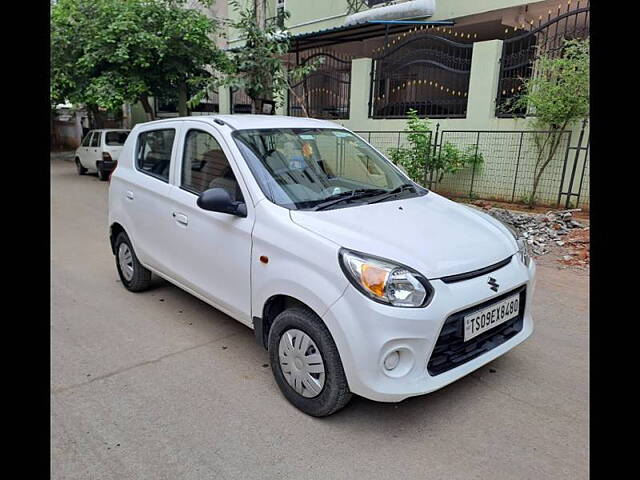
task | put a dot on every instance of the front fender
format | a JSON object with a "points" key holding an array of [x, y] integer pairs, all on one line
{"points": [[301, 264]]}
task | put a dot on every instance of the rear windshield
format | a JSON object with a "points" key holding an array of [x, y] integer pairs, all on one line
{"points": [[116, 138]]}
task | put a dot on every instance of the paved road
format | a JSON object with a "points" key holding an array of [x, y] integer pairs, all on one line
{"points": [[159, 385]]}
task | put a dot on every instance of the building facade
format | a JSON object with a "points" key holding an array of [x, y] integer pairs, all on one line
{"points": [[459, 63]]}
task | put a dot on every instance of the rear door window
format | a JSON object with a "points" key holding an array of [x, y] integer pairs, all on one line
{"points": [[115, 139], [153, 152]]}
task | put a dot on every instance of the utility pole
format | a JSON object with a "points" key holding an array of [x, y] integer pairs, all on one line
{"points": [[260, 7]]}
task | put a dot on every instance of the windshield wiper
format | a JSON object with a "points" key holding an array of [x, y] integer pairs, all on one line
{"points": [[350, 195], [395, 191]]}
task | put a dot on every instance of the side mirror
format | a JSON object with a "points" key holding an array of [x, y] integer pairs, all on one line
{"points": [[219, 200]]}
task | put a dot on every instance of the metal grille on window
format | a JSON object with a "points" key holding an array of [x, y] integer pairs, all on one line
{"points": [[326, 92], [527, 42], [421, 71]]}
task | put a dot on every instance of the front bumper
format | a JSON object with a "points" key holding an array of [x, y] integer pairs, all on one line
{"points": [[366, 331]]}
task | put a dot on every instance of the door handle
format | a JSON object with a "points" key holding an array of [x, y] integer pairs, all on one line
{"points": [[181, 218], [129, 194]]}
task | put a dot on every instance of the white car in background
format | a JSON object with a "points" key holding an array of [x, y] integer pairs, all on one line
{"points": [[99, 151], [355, 279]]}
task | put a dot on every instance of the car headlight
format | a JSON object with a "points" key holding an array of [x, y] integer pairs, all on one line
{"points": [[523, 246], [385, 281]]}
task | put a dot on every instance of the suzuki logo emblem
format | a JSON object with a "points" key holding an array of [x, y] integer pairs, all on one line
{"points": [[493, 284]]}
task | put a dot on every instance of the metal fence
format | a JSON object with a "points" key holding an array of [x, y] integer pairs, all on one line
{"points": [[425, 72], [325, 92], [510, 162], [508, 170], [583, 190], [578, 173], [532, 40], [240, 101], [387, 141]]}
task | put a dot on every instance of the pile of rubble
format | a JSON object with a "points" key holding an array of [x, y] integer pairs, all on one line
{"points": [[579, 241], [543, 232]]}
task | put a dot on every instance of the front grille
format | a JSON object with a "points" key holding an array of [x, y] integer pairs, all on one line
{"points": [[476, 273], [451, 350]]}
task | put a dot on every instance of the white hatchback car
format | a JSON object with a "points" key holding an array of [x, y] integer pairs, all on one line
{"points": [[99, 151], [355, 279]]}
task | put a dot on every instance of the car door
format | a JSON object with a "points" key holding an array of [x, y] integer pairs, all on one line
{"points": [[84, 149], [94, 153], [214, 249], [147, 193]]}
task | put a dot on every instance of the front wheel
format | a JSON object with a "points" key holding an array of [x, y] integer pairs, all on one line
{"points": [[306, 363]]}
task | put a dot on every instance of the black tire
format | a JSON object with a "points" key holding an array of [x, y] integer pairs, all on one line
{"points": [[335, 393], [102, 175], [81, 170], [141, 278]]}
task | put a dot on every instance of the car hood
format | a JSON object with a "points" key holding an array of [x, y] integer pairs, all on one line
{"points": [[433, 235]]}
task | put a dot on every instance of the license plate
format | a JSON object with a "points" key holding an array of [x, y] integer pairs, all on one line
{"points": [[491, 316]]}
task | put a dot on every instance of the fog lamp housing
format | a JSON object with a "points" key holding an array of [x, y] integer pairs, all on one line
{"points": [[392, 360]]}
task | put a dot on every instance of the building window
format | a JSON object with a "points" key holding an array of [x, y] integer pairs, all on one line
{"points": [[325, 92], [426, 73]]}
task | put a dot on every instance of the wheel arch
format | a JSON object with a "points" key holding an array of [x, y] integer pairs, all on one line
{"points": [[114, 230], [275, 305]]}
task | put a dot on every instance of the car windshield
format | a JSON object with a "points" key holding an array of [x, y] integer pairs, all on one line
{"points": [[115, 139], [302, 168]]}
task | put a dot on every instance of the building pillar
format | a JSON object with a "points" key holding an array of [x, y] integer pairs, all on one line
{"points": [[78, 127], [126, 115], [483, 81], [360, 88], [224, 100]]}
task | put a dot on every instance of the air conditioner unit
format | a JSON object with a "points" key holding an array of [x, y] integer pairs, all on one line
{"points": [[395, 11]]}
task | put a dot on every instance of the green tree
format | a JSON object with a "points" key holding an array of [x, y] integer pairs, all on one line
{"points": [[557, 96], [415, 158], [420, 159], [105, 53], [259, 67]]}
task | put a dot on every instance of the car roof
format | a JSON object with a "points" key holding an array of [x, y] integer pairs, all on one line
{"points": [[250, 121], [110, 130]]}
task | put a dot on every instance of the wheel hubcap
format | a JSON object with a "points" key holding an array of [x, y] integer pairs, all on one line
{"points": [[301, 363], [125, 258]]}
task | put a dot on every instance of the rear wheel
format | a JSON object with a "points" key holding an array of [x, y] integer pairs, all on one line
{"points": [[306, 364], [81, 170], [133, 275]]}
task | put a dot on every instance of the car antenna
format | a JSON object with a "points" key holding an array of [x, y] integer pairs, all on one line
{"points": [[222, 122]]}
